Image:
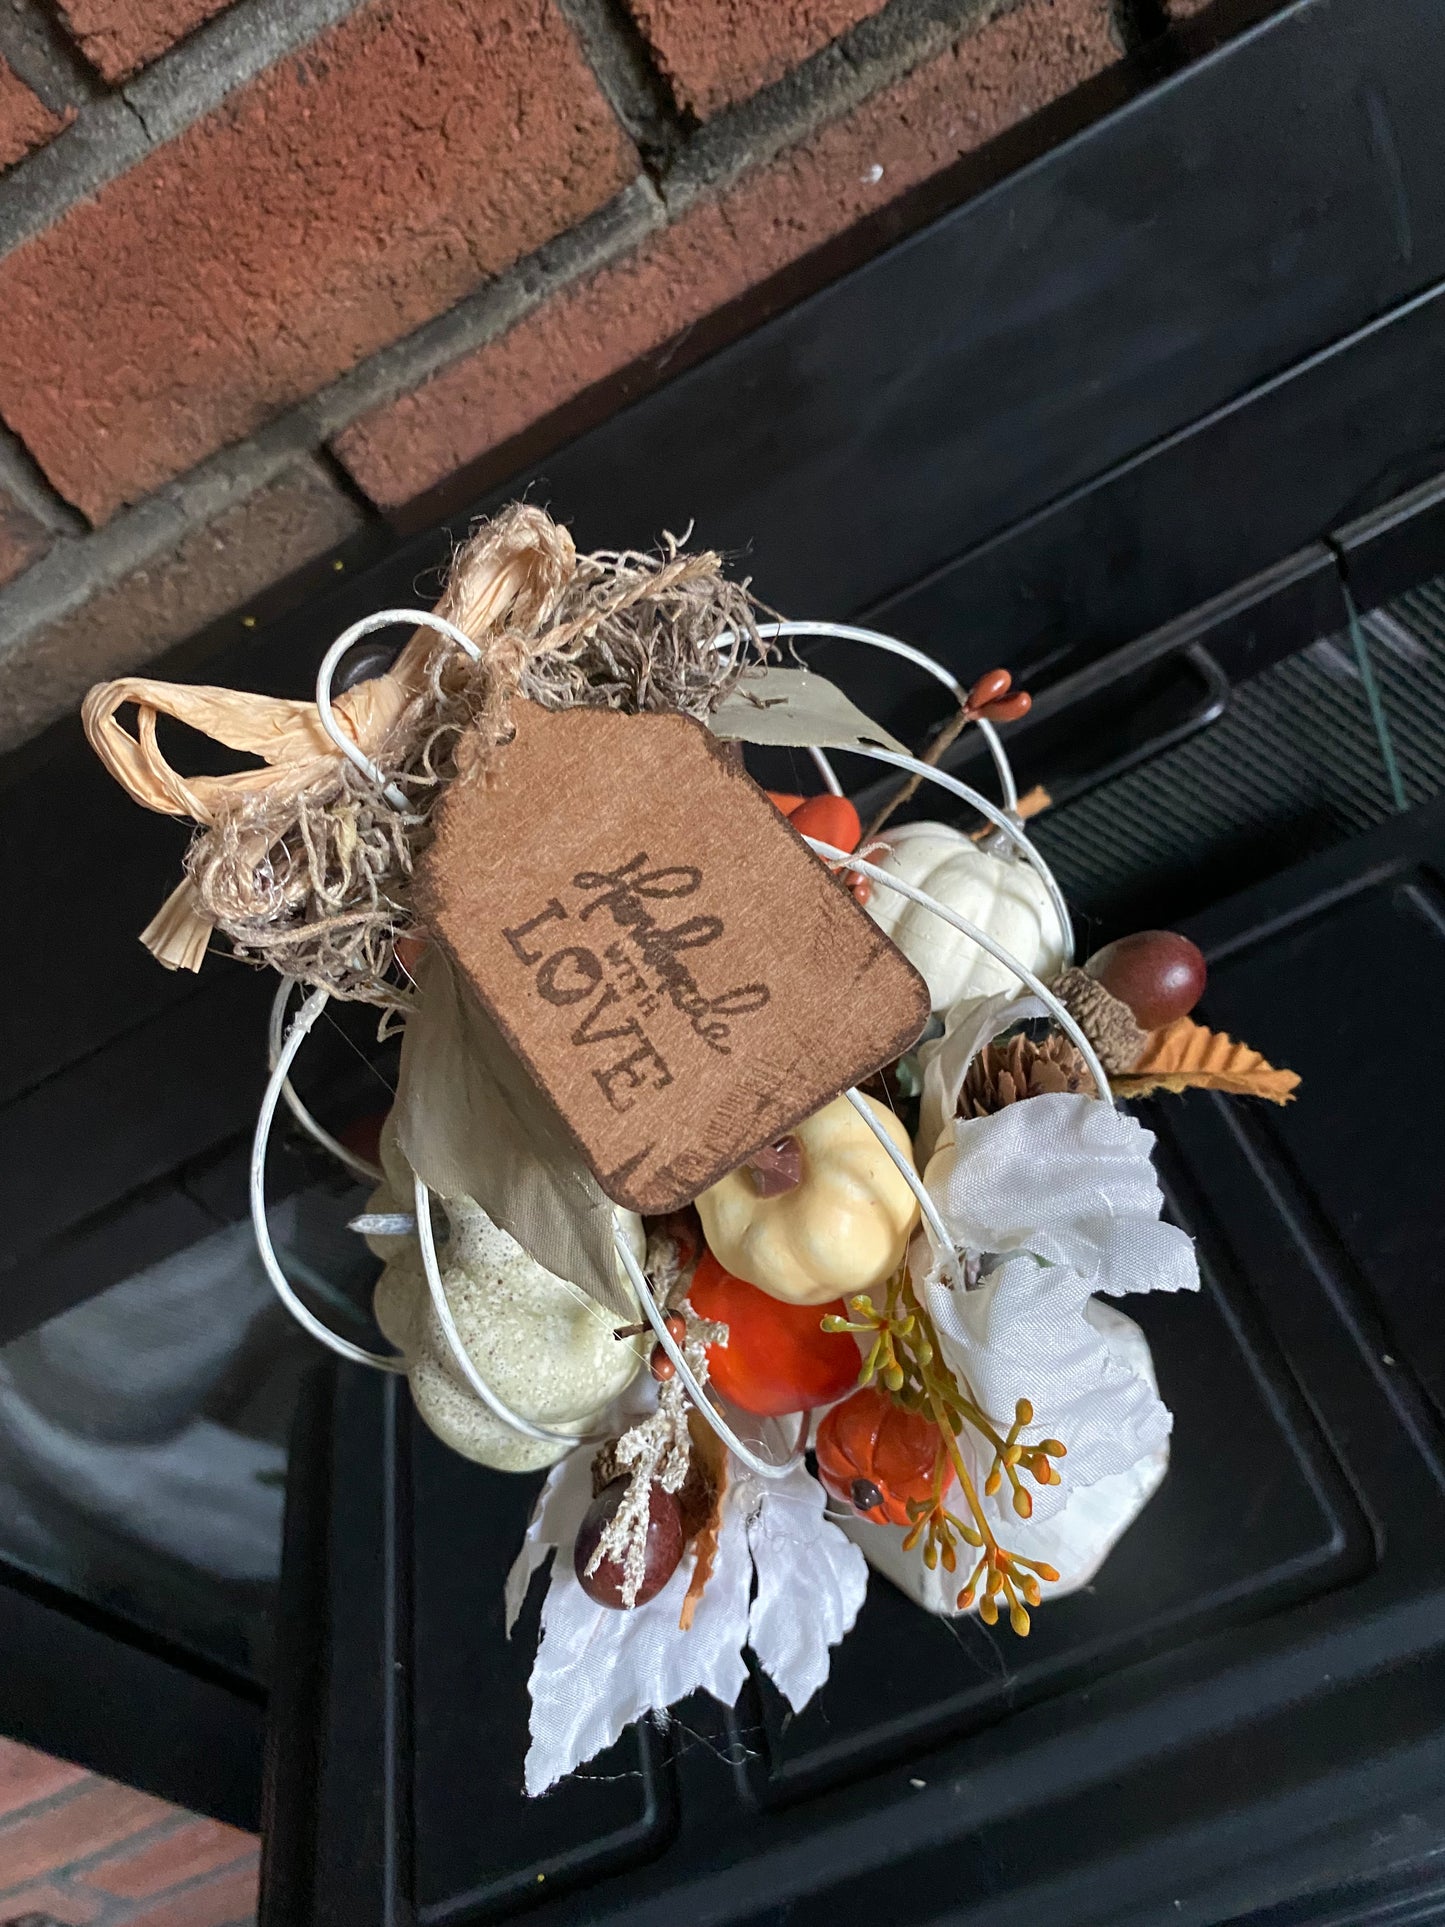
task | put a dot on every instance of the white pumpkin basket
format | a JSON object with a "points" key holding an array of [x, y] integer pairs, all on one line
{"points": [[285, 1043]]}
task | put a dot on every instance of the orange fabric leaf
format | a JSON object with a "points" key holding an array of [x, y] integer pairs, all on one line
{"points": [[1186, 1056], [710, 1453]]}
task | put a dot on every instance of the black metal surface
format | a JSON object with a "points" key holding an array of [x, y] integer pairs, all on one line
{"points": [[1088, 730], [1242, 1710], [1153, 362], [1105, 562], [1399, 544], [119, 1149], [1294, 766], [82, 1684]]}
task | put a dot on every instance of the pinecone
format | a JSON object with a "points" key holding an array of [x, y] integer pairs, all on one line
{"points": [[1109, 1024], [1001, 1074]]}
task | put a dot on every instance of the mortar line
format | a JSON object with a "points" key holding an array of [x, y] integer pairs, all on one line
{"points": [[85, 562], [872, 55], [35, 47], [23, 479], [114, 131], [633, 84]]}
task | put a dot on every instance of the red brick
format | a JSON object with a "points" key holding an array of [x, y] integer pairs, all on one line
{"points": [[95, 1817], [204, 1846], [25, 121], [22, 541], [721, 247], [25, 1775], [71, 1906], [333, 204], [226, 1901], [119, 36], [715, 52], [208, 573]]}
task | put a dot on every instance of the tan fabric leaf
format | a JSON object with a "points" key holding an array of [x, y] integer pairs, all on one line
{"points": [[472, 1124], [1187, 1056], [795, 709], [711, 1454]]}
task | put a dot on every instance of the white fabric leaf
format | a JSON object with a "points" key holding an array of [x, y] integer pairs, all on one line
{"points": [[812, 1582], [598, 1669], [796, 709], [1060, 1190], [1029, 1332], [543, 1533], [1070, 1180], [1078, 1528]]}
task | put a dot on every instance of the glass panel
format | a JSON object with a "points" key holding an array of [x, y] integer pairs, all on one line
{"points": [[143, 1433]]}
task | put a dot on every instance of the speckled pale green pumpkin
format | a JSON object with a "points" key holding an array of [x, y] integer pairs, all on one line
{"points": [[542, 1344]]}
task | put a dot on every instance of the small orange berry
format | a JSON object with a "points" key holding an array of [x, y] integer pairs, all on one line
{"points": [[992, 685], [1012, 709]]}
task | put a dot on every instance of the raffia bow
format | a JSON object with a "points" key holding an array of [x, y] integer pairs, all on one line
{"points": [[300, 862]]}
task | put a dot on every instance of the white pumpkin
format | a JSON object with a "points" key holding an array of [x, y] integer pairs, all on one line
{"points": [[1075, 1541], [1004, 896], [844, 1228], [543, 1345]]}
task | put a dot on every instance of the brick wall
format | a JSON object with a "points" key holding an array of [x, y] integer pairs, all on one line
{"points": [[277, 275], [79, 1851]]}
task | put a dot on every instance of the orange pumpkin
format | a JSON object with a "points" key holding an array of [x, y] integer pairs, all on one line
{"points": [[832, 819], [875, 1456], [778, 1358]]}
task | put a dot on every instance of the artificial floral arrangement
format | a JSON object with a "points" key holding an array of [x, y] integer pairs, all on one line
{"points": [[731, 1139]]}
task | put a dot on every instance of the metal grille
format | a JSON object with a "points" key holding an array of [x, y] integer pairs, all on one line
{"points": [[1292, 766]]}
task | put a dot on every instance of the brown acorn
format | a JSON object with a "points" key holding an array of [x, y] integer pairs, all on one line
{"points": [[665, 1542], [1157, 973]]}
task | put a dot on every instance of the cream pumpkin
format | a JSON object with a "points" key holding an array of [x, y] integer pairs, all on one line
{"points": [[843, 1228], [1004, 896]]}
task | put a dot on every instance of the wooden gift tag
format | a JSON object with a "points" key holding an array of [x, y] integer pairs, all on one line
{"points": [[681, 975]]}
